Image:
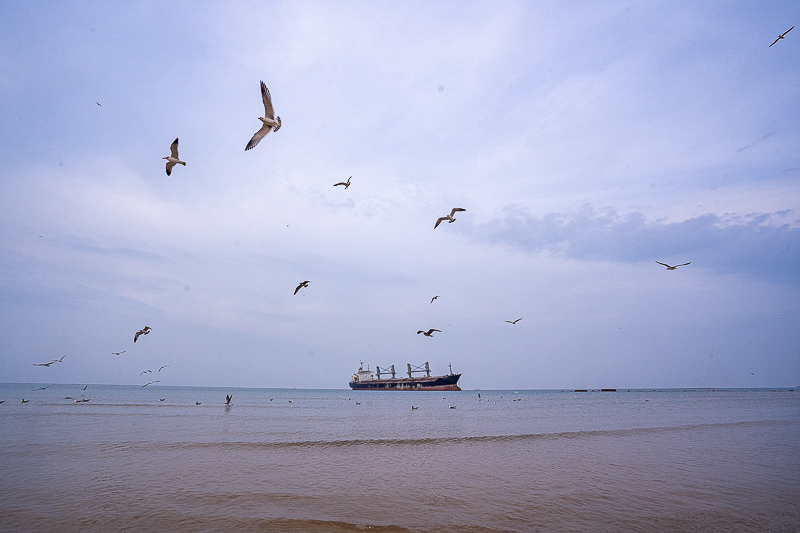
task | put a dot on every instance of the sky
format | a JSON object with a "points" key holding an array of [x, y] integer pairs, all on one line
{"points": [[585, 140]]}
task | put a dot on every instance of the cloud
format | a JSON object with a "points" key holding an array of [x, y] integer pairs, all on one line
{"points": [[759, 245]]}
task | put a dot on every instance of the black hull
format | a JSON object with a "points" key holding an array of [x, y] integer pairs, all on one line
{"points": [[449, 382]]}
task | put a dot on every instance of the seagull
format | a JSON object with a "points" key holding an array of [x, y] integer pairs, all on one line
{"points": [[449, 217], [43, 388], [414, 407], [673, 267], [150, 383], [271, 122], [119, 353], [434, 298], [228, 398], [98, 103], [303, 284], [144, 331], [429, 333], [146, 371], [346, 184], [197, 403], [25, 401], [172, 159], [513, 321], [54, 361], [781, 36], [85, 387], [452, 407], [159, 370], [161, 399]]}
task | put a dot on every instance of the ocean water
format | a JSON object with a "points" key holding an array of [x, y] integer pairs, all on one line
{"points": [[340, 460]]}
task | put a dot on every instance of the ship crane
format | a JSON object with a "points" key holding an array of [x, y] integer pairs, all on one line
{"points": [[385, 371], [419, 369]]}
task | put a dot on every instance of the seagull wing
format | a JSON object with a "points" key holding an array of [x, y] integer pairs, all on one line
{"points": [[170, 164], [440, 221], [455, 210], [683, 265], [260, 134], [432, 330], [173, 148], [660, 263], [340, 183], [269, 112], [773, 42], [298, 288], [787, 31]]}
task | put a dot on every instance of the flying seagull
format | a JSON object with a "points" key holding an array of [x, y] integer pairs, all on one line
{"points": [[54, 361], [86, 387], [346, 184], [150, 383], [98, 103], [449, 217], [144, 331], [271, 122], [781, 36], [673, 267], [43, 388], [513, 321], [163, 366], [429, 333], [119, 353], [303, 284], [434, 298], [228, 398], [173, 159], [146, 371]]}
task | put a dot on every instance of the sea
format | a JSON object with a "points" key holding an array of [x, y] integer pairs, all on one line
{"points": [[157, 458]]}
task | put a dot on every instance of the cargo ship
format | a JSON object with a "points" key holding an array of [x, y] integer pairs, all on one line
{"points": [[367, 380]]}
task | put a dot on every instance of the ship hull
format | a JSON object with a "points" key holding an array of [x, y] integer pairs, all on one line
{"points": [[434, 383]]}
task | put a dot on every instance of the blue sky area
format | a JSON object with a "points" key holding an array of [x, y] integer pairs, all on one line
{"points": [[586, 141]]}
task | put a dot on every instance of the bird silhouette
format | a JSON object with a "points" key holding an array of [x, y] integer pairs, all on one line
{"points": [[144, 331], [449, 217], [428, 333], [346, 184], [513, 321], [271, 122], [781, 36], [434, 298], [673, 267], [302, 284]]}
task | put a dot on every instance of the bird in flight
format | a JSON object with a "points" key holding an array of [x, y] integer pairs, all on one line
{"points": [[781, 36], [271, 122], [345, 183], [449, 217], [673, 267], [303, 284], [98, 103], [86, 387], [434, 298], [150, 383], [54, 361], [146, 371], [428, 333], [172, 158], [119, 353], [144, 331], [228, 398], [163, 366], [43, 388], [513, 321], [25, 401]]}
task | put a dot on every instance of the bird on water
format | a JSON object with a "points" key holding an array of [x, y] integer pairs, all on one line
{"points": [[271, 122]]}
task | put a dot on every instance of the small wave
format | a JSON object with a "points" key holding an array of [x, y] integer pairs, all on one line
{"points": [[434, 441]]}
